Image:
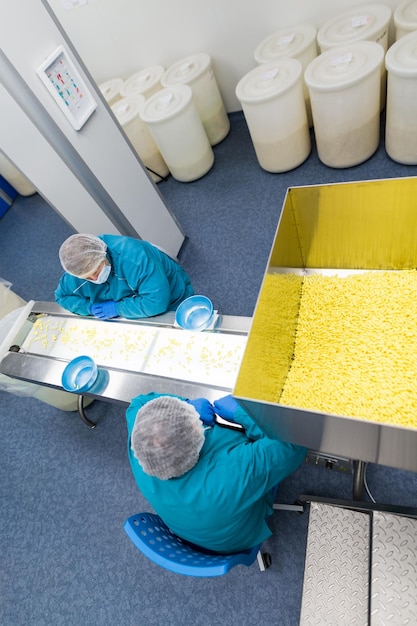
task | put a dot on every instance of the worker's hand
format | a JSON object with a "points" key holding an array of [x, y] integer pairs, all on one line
{"points": [[205, 410], [104, 310], [226, 407]]}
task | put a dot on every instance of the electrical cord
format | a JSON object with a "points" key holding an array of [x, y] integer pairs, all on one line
{"points": [[156, 174], [365, 482]]}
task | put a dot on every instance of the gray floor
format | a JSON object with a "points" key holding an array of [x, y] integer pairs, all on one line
{"points": [[66, 490]]}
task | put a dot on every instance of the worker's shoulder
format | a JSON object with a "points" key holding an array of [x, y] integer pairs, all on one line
{"points": [[126, 247], [69, 281], [120, 240]]}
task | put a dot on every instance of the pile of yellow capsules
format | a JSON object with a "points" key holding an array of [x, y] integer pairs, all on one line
{"points": [[355, 350]]}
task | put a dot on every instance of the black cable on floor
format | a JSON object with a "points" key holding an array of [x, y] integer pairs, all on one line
{"points": [[365, 483], [156, 174]]}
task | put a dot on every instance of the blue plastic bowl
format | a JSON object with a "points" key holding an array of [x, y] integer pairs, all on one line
{"points": [[80, 374], [194, 313]]}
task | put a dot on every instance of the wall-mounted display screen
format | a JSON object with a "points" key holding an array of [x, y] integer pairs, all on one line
{"points": [[66, 86]]}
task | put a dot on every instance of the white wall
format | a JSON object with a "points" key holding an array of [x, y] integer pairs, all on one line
{"points": [[116, 38], [89, 176], [40, 162]]}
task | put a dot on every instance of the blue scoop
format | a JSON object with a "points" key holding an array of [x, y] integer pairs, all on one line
{"points": [[194, 313], [80, 374]]}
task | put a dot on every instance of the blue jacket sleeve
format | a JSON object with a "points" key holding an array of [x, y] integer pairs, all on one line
{"points": [[66, 296], [272, 460], [253, 431], [266, 463]]}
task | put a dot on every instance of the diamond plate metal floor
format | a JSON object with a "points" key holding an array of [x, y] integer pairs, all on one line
{"points": [[336, 577], [394, 570], [360, 569]]}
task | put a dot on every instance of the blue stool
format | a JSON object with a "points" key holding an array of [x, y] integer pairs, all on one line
{"points": [[154, 539]]}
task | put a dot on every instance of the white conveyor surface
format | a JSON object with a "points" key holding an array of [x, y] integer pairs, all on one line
{"points": [[204, 357]]}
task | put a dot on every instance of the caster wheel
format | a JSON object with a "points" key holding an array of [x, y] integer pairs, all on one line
{"points": [[266, 558]]}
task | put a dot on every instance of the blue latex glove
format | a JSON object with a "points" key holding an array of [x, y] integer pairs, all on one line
{"points": [[205, 410], [104, 310], [226, 407]]}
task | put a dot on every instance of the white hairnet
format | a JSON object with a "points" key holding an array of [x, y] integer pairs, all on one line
{"points": [[167, 437], [80, 255]]}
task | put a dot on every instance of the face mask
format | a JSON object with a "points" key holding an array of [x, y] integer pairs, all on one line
{"points": [[103, 276]]}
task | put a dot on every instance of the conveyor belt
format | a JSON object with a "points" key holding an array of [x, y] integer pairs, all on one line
{"points": [[133, 356], [207, 358]]}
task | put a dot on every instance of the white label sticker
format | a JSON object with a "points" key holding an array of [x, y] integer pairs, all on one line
{"points": [[342, 59], [270, 74], [285, 40], [360, 20], [164, 101]]}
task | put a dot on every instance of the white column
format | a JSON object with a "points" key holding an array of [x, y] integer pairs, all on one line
{"points": [[91, 176]]}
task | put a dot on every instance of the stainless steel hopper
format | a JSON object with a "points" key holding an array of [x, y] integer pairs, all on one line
{"points": [[323, 229]]}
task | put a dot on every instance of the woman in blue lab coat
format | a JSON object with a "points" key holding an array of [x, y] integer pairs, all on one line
{"points": [[211, 485], [110, 276]]}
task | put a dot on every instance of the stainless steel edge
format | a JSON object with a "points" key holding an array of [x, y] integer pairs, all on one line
{"points": [[225, 323], [112, 385]]}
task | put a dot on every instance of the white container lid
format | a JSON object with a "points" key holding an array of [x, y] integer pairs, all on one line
{"points": [[405, 15], [186, 70], [142, 81], [361, 23], [111, 88], [401, 58], [268, 80], [127, 109], [166, 103], [286, 42], [343, 66]]}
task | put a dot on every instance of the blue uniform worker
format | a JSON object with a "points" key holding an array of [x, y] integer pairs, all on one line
{"points": [[212, 486], [110, 276]]}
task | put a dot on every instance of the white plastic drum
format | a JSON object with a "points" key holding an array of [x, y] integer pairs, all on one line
{"points": [[111, 90], [296, 42], [196, 72], [364, 23], [401, 117], [273, 104], [344, 85], [16, 179], [145, 83], [177, 129], [127, 112], [405, 18]]}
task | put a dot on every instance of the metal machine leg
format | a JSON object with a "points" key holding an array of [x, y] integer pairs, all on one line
{"points": [[80, 404], [264, 558], [298, 508], [358, 479], [260, 560]]}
